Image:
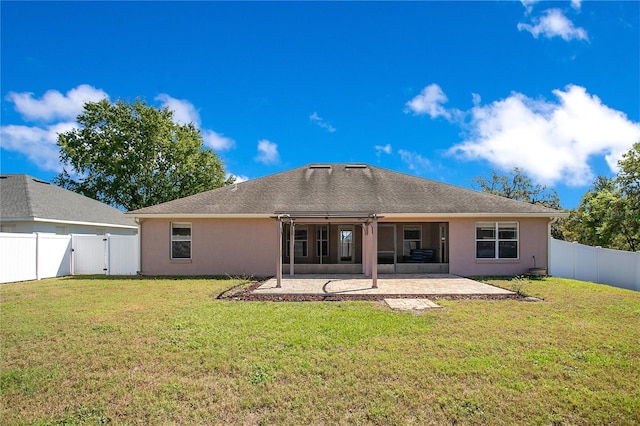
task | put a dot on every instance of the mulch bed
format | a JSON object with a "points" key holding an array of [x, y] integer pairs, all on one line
{"points": [[245, 293]]}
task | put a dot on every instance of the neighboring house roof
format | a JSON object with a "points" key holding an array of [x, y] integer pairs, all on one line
{"points": [[331, 188], [23, 197]]}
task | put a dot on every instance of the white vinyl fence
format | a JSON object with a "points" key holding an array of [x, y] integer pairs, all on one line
{"points": [[605, 266], [35, 256]]}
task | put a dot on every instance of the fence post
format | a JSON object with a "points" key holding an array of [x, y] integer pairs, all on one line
{"points": [[638, 271], [598, 251], [37, 256], [574, 257], [72, 260], [107, 253]]}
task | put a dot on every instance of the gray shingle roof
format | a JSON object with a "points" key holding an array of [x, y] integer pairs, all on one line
{"points": [[25, 197], [342, 188]]}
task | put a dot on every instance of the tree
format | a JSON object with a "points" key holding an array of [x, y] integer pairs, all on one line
{"points": [[131, 155], [629, 177], [518, 186], [609, 214]]}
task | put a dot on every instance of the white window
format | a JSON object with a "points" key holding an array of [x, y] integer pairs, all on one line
{"points": [[300, 241], [497, 240], [180, 240], [412, 239], [346, 246]]}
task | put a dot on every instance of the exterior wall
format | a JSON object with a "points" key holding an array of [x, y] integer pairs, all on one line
{"points": [[533, 241], [249, 246], [218, 247]]}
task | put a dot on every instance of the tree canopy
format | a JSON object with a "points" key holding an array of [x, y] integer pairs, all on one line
{"points": [[609, 214], [518, 186], [132, 155]]}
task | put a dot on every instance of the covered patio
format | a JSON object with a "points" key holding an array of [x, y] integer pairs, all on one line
{"points": [[394, 285], [358, 243]]}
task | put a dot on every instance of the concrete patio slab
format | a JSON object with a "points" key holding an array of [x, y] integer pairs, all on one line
{"points": [[411, 304], [392, 284]]}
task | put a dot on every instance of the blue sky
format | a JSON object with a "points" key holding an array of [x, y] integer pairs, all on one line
{"points": [[442, 90]]}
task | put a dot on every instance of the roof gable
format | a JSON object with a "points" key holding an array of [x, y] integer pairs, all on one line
{"points": [[339, 187], [25, 197]]}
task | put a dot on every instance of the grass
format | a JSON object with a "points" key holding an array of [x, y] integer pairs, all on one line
{"points": [[92, 350]]}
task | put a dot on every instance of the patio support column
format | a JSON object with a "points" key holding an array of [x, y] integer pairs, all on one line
{"points": [[374, 252], [365, 244], [279, 254], [292, 242]]}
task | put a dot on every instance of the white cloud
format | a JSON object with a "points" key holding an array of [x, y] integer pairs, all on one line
{"points": [[383, 149], [554, 23], [183, 111], [415, 161], [217, 141], [36, 143], [320, 122], [54, 105], [239, 178], [429, 101], [267, 152], [576, 4], [528, 4], [551, 141]]}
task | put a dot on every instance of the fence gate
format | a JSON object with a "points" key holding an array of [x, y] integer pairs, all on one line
{"points": [[89, 254]]}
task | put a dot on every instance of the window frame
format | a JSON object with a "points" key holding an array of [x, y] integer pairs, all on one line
{"points": [[303, 242], [181, 238], [498, 229], [322, 250]]}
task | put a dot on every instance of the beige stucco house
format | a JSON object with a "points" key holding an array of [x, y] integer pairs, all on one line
{"points": [[343, 218]]}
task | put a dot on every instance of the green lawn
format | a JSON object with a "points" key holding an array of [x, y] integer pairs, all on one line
{"points": [[88, 350]]}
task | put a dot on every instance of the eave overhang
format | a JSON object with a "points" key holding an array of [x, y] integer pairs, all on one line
{"points": [[342, 215], [66, 222]]}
